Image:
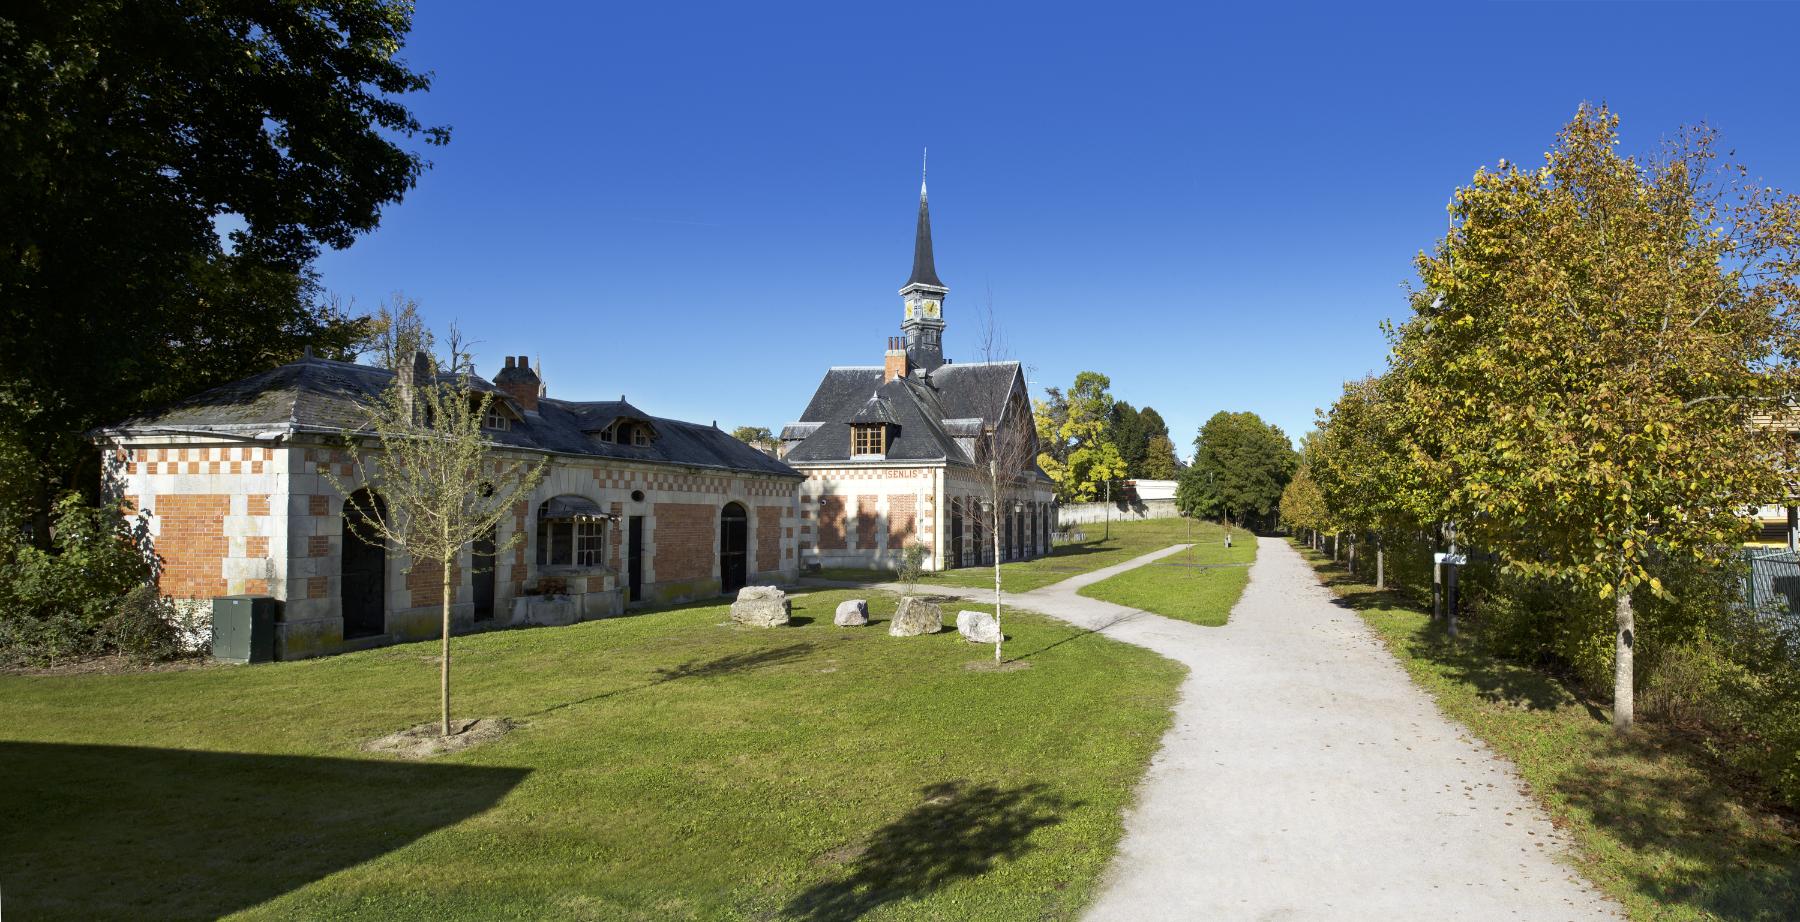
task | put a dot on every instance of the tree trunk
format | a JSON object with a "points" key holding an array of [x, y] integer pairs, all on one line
{"points": [[999, 634], [1335, 540], [1622, 678], [1352, 556], [1380, 566], [444, 673]]}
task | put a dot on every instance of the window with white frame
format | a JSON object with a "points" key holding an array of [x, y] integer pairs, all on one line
{"points": [[571, 532]]}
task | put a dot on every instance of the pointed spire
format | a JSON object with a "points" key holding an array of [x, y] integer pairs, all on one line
{"points": [[924, 271]]}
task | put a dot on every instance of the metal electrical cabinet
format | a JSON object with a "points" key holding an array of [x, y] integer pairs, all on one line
{"points": [[243, 629]]}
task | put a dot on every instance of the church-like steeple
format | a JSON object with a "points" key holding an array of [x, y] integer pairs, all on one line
{"points": [[924, 267], [924, 296]]}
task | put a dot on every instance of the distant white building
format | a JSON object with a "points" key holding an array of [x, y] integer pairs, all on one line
{"points": [[1152, 489]]}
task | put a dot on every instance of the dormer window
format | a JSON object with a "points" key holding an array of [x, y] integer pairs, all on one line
{"points": [[640, 436], [606, 435], [495, 418], [868, 440]]}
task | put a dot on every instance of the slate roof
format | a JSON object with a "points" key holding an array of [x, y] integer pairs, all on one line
{"points": [[321, 396], [924, 271], [937, 416]]}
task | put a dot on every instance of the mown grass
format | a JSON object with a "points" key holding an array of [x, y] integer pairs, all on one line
{"points": [[671, 766], [1199, 584], [1660, 825], [1128, 540]]}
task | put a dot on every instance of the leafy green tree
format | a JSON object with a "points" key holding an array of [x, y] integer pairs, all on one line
{"points": [[1241, 465], [1359, 462], [441, 487], [1160, 462], [1125, 429], [132, 132], [1302, 506], [1072, 434], [754, 435], [1594, 342], [1091, 469]]}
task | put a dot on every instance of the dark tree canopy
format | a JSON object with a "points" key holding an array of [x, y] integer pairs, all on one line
{"points": [[1125, 428], [1241, 465], [131, 132]]}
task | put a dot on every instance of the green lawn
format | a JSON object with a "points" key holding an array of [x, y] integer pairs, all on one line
{"points": [[1129, 539], [672, 767], [1660, 825], [1200, 584]]}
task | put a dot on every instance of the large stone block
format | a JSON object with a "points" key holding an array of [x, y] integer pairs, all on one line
{"points": [[761, 606], [916, 616], [852, 613], [978, 627]]}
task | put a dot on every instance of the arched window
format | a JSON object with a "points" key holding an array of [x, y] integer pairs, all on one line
{"points": [[571, 532]]}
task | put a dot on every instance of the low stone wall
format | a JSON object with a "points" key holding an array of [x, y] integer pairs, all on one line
{"points": [[1096, 513]]}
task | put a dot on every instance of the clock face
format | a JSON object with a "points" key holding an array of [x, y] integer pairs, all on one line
{"points": [[931, 309], [911, 306]]}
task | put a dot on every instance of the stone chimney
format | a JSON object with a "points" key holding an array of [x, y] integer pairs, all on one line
{"points": [[897, 365], [519, 382], [410, 375]]}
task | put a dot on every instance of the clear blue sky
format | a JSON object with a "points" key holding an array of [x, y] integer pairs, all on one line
{"points": [[702, 208]]}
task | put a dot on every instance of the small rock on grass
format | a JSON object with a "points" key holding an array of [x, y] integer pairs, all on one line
{"points": [[852, 613], [977, 627]]}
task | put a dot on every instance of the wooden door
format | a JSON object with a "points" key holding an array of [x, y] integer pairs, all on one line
{"points": [[362, 574]]}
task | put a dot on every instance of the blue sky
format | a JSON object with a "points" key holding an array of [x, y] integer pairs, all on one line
{"points": [[1216, 205]]}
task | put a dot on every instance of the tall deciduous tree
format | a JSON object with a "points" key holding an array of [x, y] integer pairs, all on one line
{"points": [[1072, 429], [133, 132], [441, 486], [1595, 340], [1160, 462], [1303, 504], [1125, 429], [1241, 465], [1360, 463]]}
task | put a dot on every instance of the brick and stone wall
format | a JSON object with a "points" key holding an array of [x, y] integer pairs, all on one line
{"points": [[230, 518], [686, 541], [866, 515]]}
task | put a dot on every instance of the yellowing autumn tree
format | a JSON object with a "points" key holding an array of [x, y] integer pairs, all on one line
{"points": [[1595, 340]]}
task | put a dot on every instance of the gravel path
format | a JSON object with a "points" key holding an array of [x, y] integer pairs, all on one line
{"points": [[1306, 777]]}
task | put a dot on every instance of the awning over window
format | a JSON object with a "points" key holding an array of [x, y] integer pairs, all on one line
{"points": [[562, 508]]}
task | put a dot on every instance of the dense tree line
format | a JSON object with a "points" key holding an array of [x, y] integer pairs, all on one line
{"points": [[1241, 465], [1581, 395]]}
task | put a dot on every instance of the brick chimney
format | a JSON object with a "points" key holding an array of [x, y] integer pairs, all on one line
{"points": [[897, 365], [519, 382]]}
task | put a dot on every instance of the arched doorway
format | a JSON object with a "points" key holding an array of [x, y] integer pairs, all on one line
{"points": [[734, 570], [483, 562], [362, 568]]}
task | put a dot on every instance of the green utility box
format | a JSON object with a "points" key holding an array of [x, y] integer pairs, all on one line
{"points": [[243, 629]]}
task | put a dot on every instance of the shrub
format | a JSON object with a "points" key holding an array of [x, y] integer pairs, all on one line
{"points": [[92, 590], [912, 564]]}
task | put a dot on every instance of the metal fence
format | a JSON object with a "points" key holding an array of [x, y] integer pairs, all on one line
{"points": [[1772, 587]]}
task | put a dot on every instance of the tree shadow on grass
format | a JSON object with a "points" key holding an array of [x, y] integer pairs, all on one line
{"points": [[120, 832], [957, 831], [728, 664], [1111, 622], [732, 663], [1660, 798]]}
